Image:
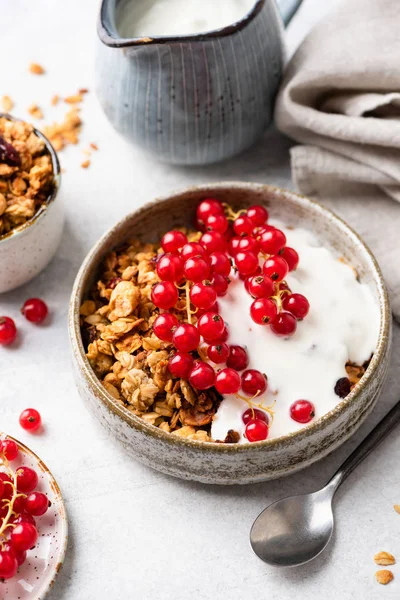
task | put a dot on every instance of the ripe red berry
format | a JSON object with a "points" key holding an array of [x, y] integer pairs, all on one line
{"points": [[35, 310], [173, 241], [170, 267], [196, 269], [8, 331], [285, 324], [202, 375], [27, 479], [258, 215], [243, 225], [10, 450], [192, 249], [256, 430], [220, 284], [243, 244], [203, 295], [180, 365], [30, 419], [254, 413], [220, 263], [238, 358], [272, 241], [186, 337], [213, 241], [217, 353], [302, 411], [19, 505], [246, 263], [24, 536], [164, 295], [217, 223], [254, 382], [25, 518], [297, 304], [276, 268], [8, 564], [207, 208], [291, 257], [227, 381], [263, 311], [211, 326], [20, 555], [36, 504], [164, 326], [259, 286]]}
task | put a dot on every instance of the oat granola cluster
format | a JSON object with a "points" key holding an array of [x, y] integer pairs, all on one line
{"points": [[26, 174], [126, 355]]}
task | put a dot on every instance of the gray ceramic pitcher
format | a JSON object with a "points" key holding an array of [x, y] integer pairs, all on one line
{"points": [[195, 99]]}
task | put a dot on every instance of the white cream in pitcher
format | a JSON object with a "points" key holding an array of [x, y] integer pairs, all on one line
{"points": [[178, 17], [342, 325]]}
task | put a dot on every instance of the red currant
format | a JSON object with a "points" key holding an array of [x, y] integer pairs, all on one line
{"points": [[260, 286], [297, 304], [272, 241], [180, 365], [186, 337], [257, 214], [164, 326], [27, 479], [220, 284], [25, 518], [217, 353], [20, 555], [112, 284], [170, 267], [263, 311], [8, 564], [238, 358], [192, 249], [302, 411], [291, 257], [2, 486], [254, 382], [276, 268], [30, 419], [217, 223], [36, 504], [200, 311], [196, 269], [243, 225], [19, 505], [246, 263], [35, 310], [207, 208], [256, 430], [243, 244], [211, 326], [24, 536], [202, 375], [285, 324], [227, 381], [8, 331], [173, 241], [203, 295], [254, 413], [164, 295], [213, 241], [10, 450], [220, 263]]}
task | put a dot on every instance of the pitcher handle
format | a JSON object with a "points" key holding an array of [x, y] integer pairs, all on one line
{"points": [[288, 9]]}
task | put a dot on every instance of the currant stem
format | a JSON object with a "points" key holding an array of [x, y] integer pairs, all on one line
{"points": [[6, 520], [189, 312]]}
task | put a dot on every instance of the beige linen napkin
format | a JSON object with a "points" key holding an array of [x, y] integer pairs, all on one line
{"points": [[341, 98]]}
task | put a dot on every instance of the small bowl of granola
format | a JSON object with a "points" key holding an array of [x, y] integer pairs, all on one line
{"points": [[232, 333], [31, 214]]}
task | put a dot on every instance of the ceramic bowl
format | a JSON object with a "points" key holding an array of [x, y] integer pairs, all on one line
{"points": [[244, 463], [26, 250], [37, 575]]}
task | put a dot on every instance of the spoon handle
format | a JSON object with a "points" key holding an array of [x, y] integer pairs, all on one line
{"points": [[383, 428]]}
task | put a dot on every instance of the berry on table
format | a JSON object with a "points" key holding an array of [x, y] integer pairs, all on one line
{"points": [[263, 311], [256, 430], [297, 304], [173, 241], [8, 331], [218, 353], [30, 419], [238, 358], [35, 310], [164, 326], [164, 295], [202, 375], [227, 381], [302, 411], [180, 365], [254, 383], [285, 324], [276, 268], [186, 337]]}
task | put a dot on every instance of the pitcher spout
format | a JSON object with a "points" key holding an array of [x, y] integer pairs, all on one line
{"points": [[107, 28]]}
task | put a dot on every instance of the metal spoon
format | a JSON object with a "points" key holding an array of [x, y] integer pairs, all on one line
{"points": [[293, 531]]}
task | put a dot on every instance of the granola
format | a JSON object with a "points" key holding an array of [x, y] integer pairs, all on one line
{"points": [[384, 576], [26, 173]]}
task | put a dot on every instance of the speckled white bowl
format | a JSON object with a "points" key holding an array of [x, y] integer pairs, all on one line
{"points": [[26, 250], [234, 463]]}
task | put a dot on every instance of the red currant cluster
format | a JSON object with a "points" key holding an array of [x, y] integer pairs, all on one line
{"points": [[34, 310], [19, 505]]}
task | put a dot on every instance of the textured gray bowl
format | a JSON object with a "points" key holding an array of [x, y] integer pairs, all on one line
{"points": [[222, 463]]}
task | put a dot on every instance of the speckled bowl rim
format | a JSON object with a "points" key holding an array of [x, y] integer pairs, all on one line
{"points": [[63, 514], [12, 235], [278, 442]]}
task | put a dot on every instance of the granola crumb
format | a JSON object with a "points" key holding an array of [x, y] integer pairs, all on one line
{"points": [[93, 146], [74, 99], [7, 104], [55, 99], [384, 558], [384, 576], [85, 164], [36, 69], [397, 508], [67, 132], [35, 111], [83, 91]]}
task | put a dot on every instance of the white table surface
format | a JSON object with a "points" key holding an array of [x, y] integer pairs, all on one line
{"points": [[135, 533]]}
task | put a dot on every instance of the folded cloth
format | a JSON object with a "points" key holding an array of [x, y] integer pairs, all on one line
{"points": [[340, 97]]}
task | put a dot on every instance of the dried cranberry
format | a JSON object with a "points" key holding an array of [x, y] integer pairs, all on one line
{"points": [[112, 284], [342, 387], [8, 154]]}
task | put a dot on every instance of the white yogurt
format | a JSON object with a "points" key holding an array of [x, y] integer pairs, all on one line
{"points": [[138, 18], [342, 325]]}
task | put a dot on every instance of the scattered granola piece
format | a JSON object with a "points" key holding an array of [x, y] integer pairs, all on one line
{"points": [[7, 104], [384, 576], [83, 91], [384, 558], [55, 99], [93, 146], [74, 99], [36, 69], [397, 508], [67, 132], [85, 164], [35, 111]]}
